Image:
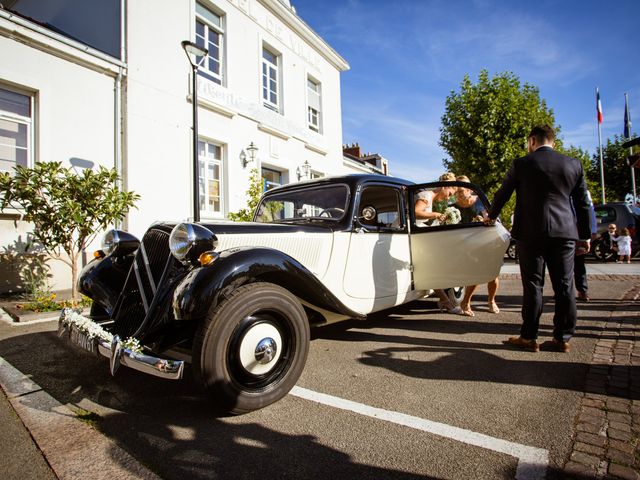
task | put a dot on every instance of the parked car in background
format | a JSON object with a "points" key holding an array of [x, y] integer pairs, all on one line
{"points": [[623, 215], [236, 300]]}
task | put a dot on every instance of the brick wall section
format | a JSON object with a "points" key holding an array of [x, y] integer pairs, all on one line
{"points": [[607, 439]]}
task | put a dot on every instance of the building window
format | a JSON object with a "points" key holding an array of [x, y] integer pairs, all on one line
{"points": [[16, 127], [271, 178], [270, 80], [210, 35], [210, 158], [314, 108]]}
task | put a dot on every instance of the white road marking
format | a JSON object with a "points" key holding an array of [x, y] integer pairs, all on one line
{"points": [[532, 462]]}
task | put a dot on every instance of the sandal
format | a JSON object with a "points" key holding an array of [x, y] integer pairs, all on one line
{"points": [[493, 307], [466, 311]]}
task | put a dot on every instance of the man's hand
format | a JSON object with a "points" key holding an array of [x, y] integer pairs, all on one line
{"points": [[582, 247]]}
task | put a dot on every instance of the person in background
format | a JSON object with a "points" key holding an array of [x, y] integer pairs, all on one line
{"points": [[472, 210], [551, 226], [607, 244], [579, 268], [624, 246]]}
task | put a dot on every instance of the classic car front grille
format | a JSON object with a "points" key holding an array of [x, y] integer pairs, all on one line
{"points": [[141, 285]]}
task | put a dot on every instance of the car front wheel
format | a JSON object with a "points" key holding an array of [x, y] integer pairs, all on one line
{"points": [[252, 349]]}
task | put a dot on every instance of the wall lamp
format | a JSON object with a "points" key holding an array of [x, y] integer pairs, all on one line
{"points": [[304, 170], [253, 150]]}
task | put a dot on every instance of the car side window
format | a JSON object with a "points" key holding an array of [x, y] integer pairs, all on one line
{"points": [[379, 209], [605, 215]]}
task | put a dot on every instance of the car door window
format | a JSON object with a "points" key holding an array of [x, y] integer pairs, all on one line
{"points": [[450, 203], [379, 209]]}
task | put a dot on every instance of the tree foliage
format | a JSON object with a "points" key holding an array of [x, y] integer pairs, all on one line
{"points": [[486, 124], [254, 192], [66, 209], [617, 174]]}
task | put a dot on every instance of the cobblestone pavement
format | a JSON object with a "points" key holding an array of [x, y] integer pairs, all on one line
{"points": [[607, 431]]}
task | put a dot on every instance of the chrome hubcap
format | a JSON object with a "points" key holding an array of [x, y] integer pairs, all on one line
{"points": [[259, 348], [266, 350]]}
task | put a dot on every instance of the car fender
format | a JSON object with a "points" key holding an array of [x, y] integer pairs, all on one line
{"points": [[203, 288], [102, 280]]}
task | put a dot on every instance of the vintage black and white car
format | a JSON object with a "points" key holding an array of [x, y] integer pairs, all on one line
{"points": [[237, 300]]}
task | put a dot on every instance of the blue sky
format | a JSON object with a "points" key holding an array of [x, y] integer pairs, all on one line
{"points": [[406, 56]]}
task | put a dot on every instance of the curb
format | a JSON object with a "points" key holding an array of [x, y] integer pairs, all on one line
{"points": [[72, 448]]}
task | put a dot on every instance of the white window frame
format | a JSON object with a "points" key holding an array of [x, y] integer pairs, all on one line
{"points": [[21, 120], [209, 25], [271, 72], [204, 162], [314, 115]]}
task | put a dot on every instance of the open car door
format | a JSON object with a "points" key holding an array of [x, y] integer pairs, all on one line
{"points": [[457, 250]]}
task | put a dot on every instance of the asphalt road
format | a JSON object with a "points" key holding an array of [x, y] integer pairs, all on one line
{"points": [[413, 393]]}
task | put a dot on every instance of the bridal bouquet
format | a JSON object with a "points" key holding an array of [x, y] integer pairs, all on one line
{"points": [[452, 215]]}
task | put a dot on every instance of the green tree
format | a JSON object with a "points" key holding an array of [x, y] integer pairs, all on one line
{"points": [[66, 209], [254, 192], [617, 174], [485, 126]]}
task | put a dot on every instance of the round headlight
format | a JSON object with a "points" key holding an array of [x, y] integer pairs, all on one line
{"points": [[119, 243], [188, 240], [110, 241]]}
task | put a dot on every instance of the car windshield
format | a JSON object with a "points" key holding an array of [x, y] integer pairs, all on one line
{"points": [[304, 204]]}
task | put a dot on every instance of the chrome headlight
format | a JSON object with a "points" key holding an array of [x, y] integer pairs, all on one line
{"points": [[188, 240], [119, 243]]}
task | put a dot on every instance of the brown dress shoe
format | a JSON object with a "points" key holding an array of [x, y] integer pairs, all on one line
{"points": [[530, 345], [558, 346]]}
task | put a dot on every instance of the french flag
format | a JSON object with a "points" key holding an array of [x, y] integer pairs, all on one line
{"points": [[599, 105]]}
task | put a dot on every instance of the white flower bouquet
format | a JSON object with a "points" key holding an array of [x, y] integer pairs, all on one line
{"points": [[94, 331], [451, 216]]}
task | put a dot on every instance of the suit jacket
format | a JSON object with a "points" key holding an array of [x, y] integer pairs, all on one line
{"points": [[551, 197]]}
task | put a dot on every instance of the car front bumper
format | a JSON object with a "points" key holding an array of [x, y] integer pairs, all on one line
{"points": [[82, 334]]}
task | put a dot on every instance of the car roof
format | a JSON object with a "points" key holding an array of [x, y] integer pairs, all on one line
{"points": [[352, 180], [629, 208]]}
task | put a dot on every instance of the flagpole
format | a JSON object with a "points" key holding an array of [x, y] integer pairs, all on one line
{"points": [[602, 196], [627, 119]]}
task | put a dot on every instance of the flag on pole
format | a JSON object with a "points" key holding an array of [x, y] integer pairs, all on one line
{"points": [[627, 118], [599, 105]]}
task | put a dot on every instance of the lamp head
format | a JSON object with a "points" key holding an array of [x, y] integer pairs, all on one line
{"points": [[194, 50]]}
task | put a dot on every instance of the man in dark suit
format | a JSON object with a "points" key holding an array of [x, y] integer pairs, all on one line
{"points": [[550, 225]]}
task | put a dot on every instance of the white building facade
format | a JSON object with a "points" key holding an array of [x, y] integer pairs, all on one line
{"points": [[268, 99]]}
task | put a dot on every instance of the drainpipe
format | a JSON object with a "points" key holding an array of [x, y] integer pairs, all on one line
{"points": [[119, 119]]}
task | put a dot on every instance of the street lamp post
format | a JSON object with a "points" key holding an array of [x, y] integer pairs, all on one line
{"points": [[196, 55]]}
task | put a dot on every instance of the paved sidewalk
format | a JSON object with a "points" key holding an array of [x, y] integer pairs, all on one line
{"points": [[607, 436], [65, 447]]}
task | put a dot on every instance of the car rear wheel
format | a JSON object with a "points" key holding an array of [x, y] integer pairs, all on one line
{"points": [[252, 349], [601, 253]]}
